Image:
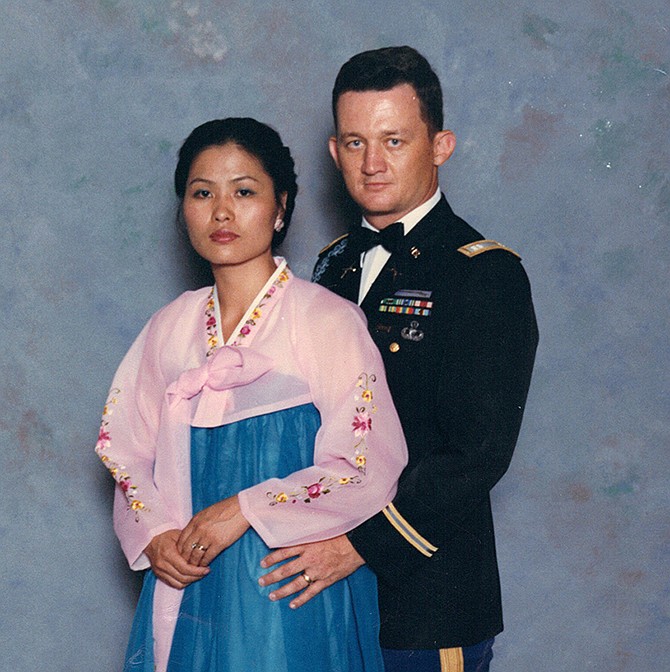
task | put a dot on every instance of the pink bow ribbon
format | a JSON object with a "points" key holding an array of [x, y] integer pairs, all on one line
{"points": [[229, 367]]}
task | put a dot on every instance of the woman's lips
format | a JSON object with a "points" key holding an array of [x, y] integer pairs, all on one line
{"points": [[223, 236]]}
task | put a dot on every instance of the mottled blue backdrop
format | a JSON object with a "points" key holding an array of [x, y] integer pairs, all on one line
{"points": [[562, 114]]}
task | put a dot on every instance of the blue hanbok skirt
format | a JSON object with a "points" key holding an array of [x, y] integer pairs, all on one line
{"points": [[226, 621]]}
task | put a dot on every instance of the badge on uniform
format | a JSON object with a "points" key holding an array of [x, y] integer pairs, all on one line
{"points": [[408, 302], [412, 333]]}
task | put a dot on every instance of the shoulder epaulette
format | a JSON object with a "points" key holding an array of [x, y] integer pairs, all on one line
{"points": [[480, 246], [334, 242]]}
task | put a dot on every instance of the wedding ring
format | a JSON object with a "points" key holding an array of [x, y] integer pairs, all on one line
{"points": [[201, 547], [306, 577], [194, 545]]}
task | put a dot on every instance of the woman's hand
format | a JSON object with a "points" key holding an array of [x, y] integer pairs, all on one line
{"points": [[168, 565], [212, 531]]}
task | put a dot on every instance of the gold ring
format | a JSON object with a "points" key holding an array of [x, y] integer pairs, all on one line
{"points": [[309, 581]]}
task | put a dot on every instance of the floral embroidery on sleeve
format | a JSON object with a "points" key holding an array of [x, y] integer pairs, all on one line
{"points": [[361, 427], [118, 471], [362, 424]]}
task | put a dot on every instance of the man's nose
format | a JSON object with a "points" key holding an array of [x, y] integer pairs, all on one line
{"points": [[373, 160]]}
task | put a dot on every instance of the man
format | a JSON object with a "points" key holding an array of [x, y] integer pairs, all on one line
{"points": [[453, 318]]}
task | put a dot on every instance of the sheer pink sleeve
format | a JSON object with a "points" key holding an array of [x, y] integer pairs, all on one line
{"points": [[127, 446], [360, 448]]}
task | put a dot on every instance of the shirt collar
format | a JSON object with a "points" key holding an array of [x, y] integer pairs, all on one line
{"points": [[413, 217]]}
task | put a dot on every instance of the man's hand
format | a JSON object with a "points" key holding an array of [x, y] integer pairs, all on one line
{"points": [[167, 563], [317, 566]]}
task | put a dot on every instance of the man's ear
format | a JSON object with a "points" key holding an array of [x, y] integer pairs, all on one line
{"points": [[444, 144], [332, 148]]}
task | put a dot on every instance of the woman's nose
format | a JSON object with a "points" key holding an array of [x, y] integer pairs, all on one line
{"points": [[223, 210]]}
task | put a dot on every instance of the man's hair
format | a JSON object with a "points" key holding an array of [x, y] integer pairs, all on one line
{"points": [[384, 69]]}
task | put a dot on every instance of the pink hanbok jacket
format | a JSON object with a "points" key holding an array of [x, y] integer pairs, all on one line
{"points": [[297, 344]]}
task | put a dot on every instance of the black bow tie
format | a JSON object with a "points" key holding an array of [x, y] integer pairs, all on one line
{"points": [[391, 238]]}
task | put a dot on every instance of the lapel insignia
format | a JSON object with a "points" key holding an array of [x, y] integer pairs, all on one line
{"points": [[412, 333], [350, 269], [415, 252]]}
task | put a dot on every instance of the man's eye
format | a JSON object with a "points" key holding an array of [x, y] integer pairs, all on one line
{"points": [[395, 142], [355, 144]]}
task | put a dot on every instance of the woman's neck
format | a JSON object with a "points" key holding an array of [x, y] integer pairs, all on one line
{"points": [[237, 287]]}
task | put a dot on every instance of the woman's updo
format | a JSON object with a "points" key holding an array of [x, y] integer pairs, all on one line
{"points": [[257, 139]]}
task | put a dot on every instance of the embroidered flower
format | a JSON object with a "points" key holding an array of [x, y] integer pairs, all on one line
{"points": [[257, 312], [103, 439], [118, 471], [362, 424], [210, 325], [307, 493]]}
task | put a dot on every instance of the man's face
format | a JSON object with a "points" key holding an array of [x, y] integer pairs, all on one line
{"points": [[385, 152]]}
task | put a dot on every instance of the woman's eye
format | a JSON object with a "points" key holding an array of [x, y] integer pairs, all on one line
{"points": [[202, 193], [245, 192]]}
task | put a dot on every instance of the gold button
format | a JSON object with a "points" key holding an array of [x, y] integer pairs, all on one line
{"points": [[394, 347]]}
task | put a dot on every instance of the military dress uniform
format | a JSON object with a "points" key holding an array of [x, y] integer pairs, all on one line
{"points": [[452, 315]]}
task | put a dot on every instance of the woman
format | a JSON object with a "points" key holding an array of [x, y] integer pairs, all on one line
{"points": [[247, 416]]}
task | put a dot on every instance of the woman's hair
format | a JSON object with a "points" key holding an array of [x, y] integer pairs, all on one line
{"points": [[253, 137]]}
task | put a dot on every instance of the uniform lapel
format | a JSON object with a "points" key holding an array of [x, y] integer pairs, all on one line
{"points": [[402, 269]]}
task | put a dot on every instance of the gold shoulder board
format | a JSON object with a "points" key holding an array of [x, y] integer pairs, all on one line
{"points": [[480, 246], [334, 242]]}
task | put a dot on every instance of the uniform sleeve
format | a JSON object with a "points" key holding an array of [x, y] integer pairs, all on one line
{"points": [[127, 447], [480, 387], [359, 450]]}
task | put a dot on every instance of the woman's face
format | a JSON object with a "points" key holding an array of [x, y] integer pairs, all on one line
{"points": [[230, 208]]}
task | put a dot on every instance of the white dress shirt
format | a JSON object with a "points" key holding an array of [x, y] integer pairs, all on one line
{"points": [[374, 259]]}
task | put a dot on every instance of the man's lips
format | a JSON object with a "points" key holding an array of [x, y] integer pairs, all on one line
{"points": [[375, 186]]}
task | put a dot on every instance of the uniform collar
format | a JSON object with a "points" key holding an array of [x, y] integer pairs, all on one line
{"points": [[413, 217]]}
